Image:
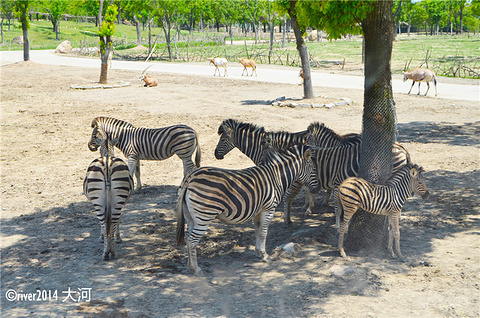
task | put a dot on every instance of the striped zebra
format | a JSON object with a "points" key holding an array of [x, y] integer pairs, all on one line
{"points": [[355, 193], [236, 196], [336, 164], [108, 185], [148, 144], [248, 138]]}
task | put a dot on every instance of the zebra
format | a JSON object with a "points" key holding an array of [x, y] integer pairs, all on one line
{"points": [[148, 144], [236, 196], [248, 138], [108, 185], [355, 193], [339, 163]]}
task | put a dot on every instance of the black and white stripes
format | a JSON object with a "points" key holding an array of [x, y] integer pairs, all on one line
{"points": [[355, 193], [148, 144], [108, 185], [236, 196]]}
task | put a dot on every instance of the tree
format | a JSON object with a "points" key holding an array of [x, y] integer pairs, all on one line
{"points": [[375, 20], [21, 8], [107, 30], [290, 7], [56, 8], [7, 12]]}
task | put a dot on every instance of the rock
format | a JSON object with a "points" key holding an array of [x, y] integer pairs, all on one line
{"points": [[342, 270], [304, 105], [330, 105], [289, 247], [18, 39], [64, 47], [318, 105]]}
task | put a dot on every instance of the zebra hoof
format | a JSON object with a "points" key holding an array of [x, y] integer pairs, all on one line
{"points": [[118, 240]]}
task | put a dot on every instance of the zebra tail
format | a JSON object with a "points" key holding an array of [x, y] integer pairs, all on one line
{"points": [[180, 217], [198, 154]]}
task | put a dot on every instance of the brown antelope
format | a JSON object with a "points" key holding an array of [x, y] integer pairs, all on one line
{"points": [[150, 81], [421, 75], [248, 63]]}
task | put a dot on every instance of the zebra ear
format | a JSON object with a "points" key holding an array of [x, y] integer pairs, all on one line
{"points": [[114, 141], [413, 172], [307, 155]]}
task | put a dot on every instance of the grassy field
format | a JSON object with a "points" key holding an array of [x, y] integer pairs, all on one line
{"points": [[447, 55]]}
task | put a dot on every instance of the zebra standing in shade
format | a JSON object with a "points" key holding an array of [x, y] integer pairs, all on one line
{"points": [[236, 196], [355, 193], [248, 138], [108, 185], [148, 144]]}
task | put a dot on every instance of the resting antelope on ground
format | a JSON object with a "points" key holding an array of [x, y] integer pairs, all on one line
{"points": [[150, 81], [421, 75]]}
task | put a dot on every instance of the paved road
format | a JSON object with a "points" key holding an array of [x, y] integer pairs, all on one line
{"points": [[266, 74]]}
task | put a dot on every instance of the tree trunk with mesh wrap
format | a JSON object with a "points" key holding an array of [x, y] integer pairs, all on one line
{"points": [[369, 231]]}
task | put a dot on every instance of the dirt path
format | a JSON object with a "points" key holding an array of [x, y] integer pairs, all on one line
{"points": [[50, 236]]}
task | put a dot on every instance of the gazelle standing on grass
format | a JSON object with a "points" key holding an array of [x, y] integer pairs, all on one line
{"points": [[421, 75]]}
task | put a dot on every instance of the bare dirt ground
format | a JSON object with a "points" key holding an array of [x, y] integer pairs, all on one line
{"points": [[50, 235]]}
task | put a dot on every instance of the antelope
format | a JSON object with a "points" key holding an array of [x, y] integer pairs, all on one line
{"points": [[421, 75], [219, 61], [248, 63], [150, 81]]}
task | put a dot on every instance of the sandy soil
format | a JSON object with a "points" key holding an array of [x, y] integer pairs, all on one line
{"points": [[50, 235]]}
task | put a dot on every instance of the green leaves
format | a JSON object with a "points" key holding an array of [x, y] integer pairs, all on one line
{"points": [[108, 26]]}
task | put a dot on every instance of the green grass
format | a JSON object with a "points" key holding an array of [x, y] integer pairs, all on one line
{"points": [[445, 53]]}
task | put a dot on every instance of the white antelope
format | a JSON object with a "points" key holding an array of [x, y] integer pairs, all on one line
{"points": [[421, 75], [150, 81], [219, 61]]}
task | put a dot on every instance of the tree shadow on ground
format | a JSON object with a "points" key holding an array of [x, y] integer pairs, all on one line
{"points": [[451, 134], [60, 248]]}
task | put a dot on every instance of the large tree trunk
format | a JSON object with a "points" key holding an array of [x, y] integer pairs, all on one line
{"points": [[368, 231], [303, 51]]}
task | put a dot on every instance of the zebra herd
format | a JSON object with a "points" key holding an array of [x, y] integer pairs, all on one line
{"points": [[317, 158]]}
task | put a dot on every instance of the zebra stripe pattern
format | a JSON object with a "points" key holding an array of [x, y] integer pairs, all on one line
{"points": [[236, 196], [147, 143], [355, 193], [108, 185], [248, 138]]}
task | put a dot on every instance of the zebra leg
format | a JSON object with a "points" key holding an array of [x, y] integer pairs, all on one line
{"points": [[347, 215], [192, 255], [261, 221], [290, 195], [118, 239], [395, 234], [188, 166], [338, 209], [134, 169], [327, 197]]}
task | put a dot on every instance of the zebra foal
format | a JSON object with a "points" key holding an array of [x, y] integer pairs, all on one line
{"points": [[236, 196], [355, 193], [148, 143], [108, 185]]}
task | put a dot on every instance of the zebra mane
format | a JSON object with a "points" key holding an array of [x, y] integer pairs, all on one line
{"points": [[271, 155], [238, 125], [400, 174], [319, 130], [99, 121]]}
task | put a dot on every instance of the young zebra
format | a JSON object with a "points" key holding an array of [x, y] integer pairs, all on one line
{"points": [[108, 185], [148, 144], [336, 164], [236, 196], [355, 193]]}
